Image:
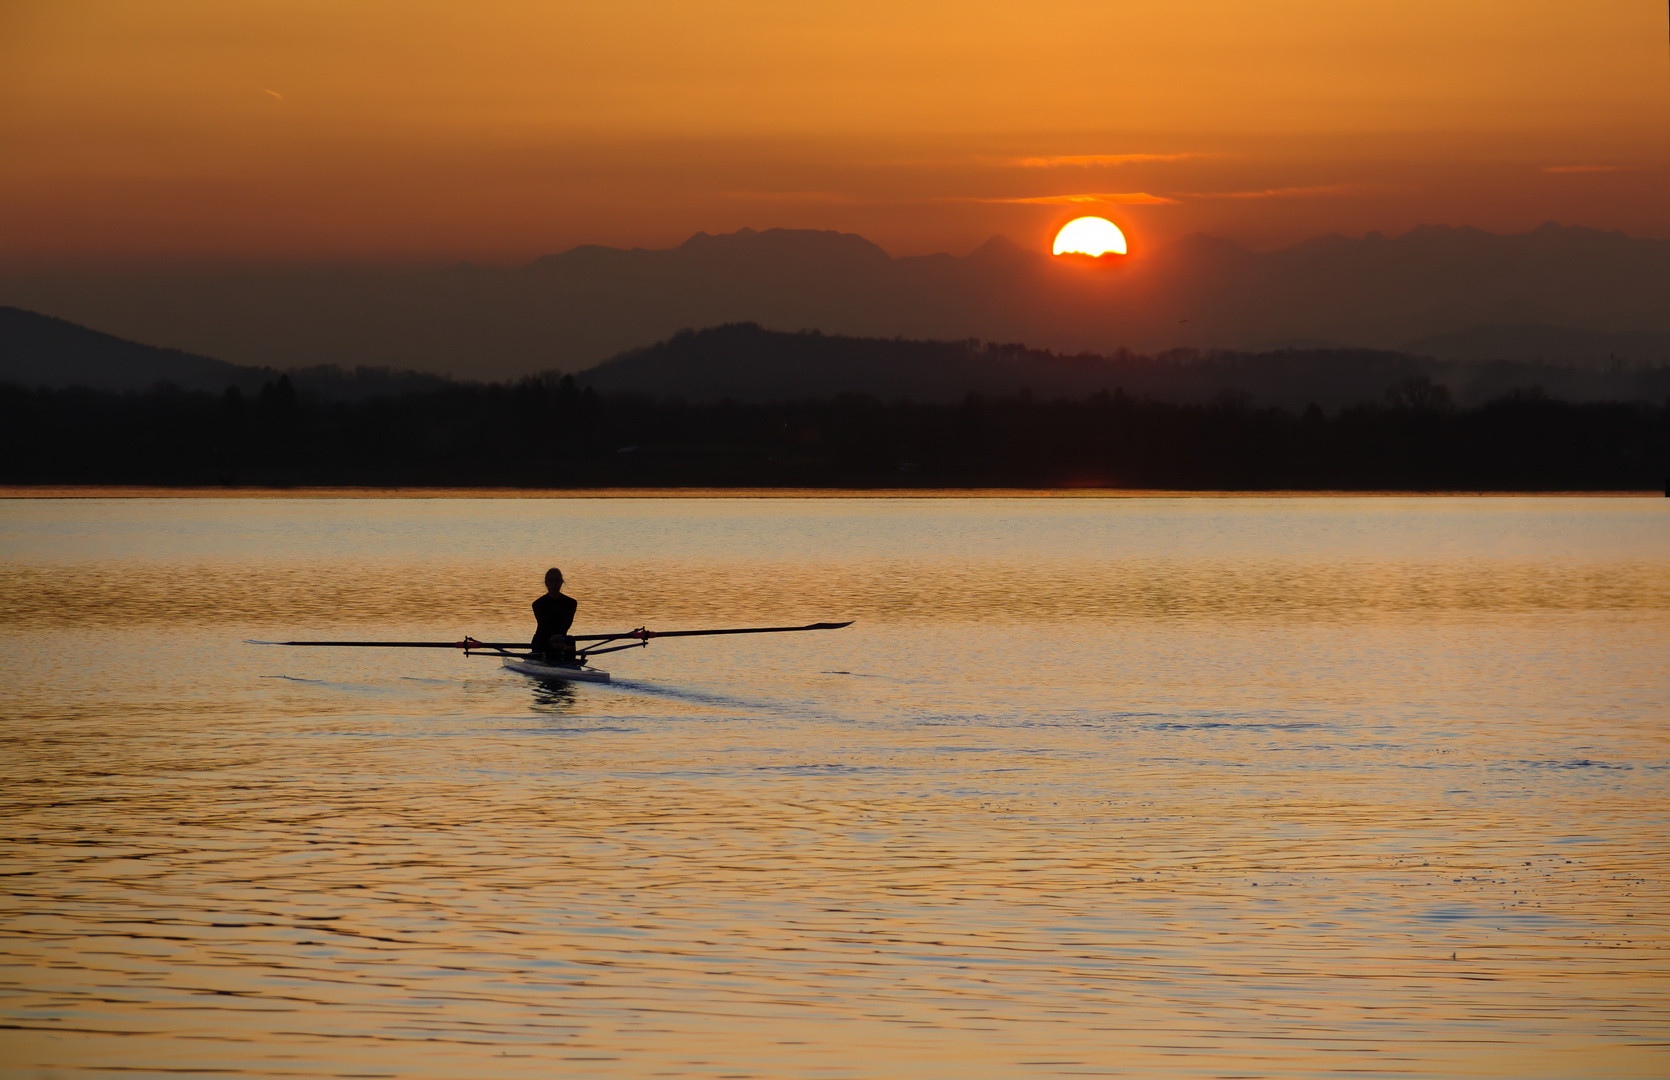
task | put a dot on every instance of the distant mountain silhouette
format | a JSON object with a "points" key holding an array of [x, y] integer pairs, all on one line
{"points": [[1438, 280], [574, 310], [41, 351], [38, 350], [743, 362], [550, 432], [746, 363], [1552, 344]]}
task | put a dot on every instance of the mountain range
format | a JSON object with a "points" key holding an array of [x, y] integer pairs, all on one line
{"points": [[747, 363], [1558, 293], [41, 351]]}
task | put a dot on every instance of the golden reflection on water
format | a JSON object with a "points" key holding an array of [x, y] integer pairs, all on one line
{"points": [[962, 591], [1395, 815]]}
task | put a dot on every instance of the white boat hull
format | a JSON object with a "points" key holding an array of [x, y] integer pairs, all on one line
{"points": [[554, 672]]}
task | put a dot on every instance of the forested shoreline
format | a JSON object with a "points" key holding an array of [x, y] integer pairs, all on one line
{"points": [[550, 432]]}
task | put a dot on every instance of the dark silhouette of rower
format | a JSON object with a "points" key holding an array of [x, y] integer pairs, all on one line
{"points": [[555, 613]]}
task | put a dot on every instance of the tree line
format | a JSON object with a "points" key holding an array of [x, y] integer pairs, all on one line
{"points": [[547, 431]]}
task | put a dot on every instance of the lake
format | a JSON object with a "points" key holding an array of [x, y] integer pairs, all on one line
{"points": [[1163, 787]]}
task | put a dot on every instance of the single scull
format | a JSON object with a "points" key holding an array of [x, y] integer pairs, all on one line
{"points": [[518, 658]]}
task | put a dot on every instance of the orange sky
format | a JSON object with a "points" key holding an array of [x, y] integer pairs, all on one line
{"points": [[499, 130]]}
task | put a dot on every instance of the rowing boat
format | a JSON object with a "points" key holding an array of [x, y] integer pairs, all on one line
{"points": [[549, 672], [520, 659]]}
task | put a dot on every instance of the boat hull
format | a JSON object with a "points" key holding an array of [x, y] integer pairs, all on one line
{"points": [[556, 672]]}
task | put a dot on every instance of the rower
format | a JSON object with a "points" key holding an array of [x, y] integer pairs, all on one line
{"points": [[555, 613]]}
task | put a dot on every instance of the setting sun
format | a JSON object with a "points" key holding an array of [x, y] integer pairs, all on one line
{"points": [[1090, 236]]}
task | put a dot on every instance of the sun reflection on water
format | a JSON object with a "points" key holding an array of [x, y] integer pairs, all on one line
{"points": [[1256, 792]]}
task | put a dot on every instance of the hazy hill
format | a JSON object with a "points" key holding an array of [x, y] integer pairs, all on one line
{"points": [[1437, 280], [1553, 344], [746, 363], [37, 350], [41, 351], [574, 309], [545, 432]]}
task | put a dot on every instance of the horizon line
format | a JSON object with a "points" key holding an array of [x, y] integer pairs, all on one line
{"points": [[25, 263]]}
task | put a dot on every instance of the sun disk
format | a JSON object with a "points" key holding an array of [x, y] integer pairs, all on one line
{"points": [[1090, 236]]}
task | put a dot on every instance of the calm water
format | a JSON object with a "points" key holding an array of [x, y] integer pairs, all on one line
{"points": [[1149, 788]]}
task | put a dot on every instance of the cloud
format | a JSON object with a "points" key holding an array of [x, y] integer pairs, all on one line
{"points": [[1126, 198], [1082, 160], [274, 93], [1587, 168], [789, 196], [1280, 193]]}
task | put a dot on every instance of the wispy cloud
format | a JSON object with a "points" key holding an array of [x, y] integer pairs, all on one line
{"points": [[790, 196], [1587, 168], [1084, 160], [1280, 193], [1125, 198], [274, 93]]}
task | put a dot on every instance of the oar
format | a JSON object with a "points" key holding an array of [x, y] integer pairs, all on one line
{"points": [[467, 643], [472, 644], [645, 635]]}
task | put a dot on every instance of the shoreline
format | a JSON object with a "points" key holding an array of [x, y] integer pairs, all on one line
{"points": [[141, 491]]}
